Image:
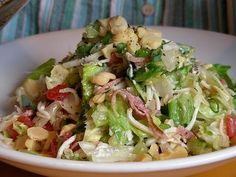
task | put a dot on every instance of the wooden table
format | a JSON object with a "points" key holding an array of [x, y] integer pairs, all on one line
{"points": [[227, 170]]}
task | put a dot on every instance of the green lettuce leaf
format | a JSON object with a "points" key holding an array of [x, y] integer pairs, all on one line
{"points": [[150, 70], [42, 70], [197, 146], [212, 134], [92, 30], [206, 112], [99, 115], [222, 71], [83, 49], [179, 75], [181, 109], [89, 70], [104, 116], [118, 123], [140, 148]]}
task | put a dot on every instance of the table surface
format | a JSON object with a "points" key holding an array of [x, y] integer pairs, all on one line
{"points": [[228, 170]]}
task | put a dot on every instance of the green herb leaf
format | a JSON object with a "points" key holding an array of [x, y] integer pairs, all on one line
{"points": [[143, 52], [107, 39], [156, 55], [121, 48], [222, 71], [149, 71], [83, 50]]}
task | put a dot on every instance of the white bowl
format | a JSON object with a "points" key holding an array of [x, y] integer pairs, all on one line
{"points": [[19, 57]]}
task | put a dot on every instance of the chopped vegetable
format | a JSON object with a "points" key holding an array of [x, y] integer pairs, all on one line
{"points": [[181, 109], [55, 94], [42, 70]]}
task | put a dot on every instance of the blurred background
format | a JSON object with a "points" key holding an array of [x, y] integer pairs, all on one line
{"points": [[40, 16]]}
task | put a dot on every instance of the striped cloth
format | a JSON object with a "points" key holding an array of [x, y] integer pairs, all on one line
{"points": [[40, 16]]}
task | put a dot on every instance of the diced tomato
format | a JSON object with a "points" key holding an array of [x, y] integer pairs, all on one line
{"points": [[53, 147], [12, 133], [48, 126], [54, 93], [66, 136], [26, 120], [230, 126]]}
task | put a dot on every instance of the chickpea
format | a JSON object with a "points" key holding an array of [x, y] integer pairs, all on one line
{"points": [[102, 78], [117, 24], [37, 133], [99, 98], [150, 41], [178, 152], [32, 145], [103, 27]]}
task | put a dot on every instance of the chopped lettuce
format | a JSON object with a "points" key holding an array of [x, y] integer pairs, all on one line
{"points": [[179, 75], [222, 71], [181, 109], [213, 133], [139, 133], [197, 146], [139, 89], [83, 49], [42, 70], [118, 123], [99, 115], [162, 85], [106, 153], [150, 70], [92, 133], [206, 112], [116, 119], [89, 70], [159, 124], [92, 30], [140, 148]]}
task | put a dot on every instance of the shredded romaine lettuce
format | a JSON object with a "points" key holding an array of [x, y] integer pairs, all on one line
{"points": [[88, 71], [181, 109]]}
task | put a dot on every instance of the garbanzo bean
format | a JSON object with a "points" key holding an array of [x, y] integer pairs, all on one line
{"points": [[102, 78], [37, 133]]}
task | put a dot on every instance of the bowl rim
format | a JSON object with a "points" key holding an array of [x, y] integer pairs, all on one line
{"points": [[116, 167]]}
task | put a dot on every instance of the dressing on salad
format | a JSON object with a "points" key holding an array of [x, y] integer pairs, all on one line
{"points": [[125, 94]]}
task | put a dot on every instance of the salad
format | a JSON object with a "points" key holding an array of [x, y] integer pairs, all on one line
{"points": [[124, 94]]}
